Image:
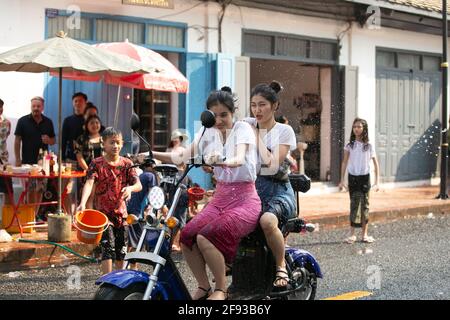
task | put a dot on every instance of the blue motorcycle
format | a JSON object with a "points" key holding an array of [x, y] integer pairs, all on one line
{"points": [[252, 272]]}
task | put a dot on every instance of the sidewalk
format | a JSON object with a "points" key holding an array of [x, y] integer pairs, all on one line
{"points": [[332, 210], [19, 255], [327, 210]]}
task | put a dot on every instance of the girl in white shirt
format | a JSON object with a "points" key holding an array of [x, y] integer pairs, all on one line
{"points": [[357, 156], [274, 141], [212, 236]]}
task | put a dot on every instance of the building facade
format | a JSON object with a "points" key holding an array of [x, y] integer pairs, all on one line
{"points": [[336, 60]]}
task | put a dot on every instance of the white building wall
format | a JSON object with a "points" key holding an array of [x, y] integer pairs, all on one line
{"points": [[364, 44], [25, 23]]}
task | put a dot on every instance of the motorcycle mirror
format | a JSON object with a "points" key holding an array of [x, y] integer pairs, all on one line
{"points": [[208, 119], [134, 122]]}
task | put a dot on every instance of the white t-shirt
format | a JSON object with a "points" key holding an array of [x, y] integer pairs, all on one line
{"points": [[241, 133], [279, 134], [359, 159]]}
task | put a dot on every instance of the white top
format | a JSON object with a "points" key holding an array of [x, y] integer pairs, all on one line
{"points": [[211, 144], [359, 159], [280, 134]]}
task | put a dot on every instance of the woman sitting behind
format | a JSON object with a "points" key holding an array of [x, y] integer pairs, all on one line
{"points": [[274, 141]]}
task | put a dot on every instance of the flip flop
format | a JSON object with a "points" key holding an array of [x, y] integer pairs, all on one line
{"points": [[368, 239]]}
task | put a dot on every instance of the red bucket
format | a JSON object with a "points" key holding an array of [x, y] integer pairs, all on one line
{"points": [[196, 194]]}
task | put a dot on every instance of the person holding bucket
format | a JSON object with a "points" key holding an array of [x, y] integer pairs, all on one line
{"points": [[114, 180]]}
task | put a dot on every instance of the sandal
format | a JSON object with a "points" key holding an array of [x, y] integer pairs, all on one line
{"points": [[350, 239], [206, 295], [224, 292], [284, 276], [368, 239]]}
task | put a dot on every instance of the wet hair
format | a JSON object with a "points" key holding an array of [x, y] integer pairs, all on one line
{"points": [[90, 105], [281, 119], [1, 103], [268, 91], [111, 132], [223, 96], [364, 135], [80, 94]]}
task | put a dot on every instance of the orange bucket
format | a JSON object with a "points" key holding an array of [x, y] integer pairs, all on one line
{"points": [[90, 225]]}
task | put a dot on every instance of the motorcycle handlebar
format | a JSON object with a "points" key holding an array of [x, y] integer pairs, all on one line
{"points": [[298, 225]]}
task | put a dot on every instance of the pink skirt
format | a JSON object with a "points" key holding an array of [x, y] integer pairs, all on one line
{"points": [[232, 214]]}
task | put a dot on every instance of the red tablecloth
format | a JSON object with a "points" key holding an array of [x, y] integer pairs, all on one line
{"points": [[7, 175]]}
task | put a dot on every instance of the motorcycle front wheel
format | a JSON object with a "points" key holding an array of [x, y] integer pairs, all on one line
{"points": [[109, 292]]}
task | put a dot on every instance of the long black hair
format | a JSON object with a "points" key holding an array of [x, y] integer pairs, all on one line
{"points": [[364, 135]]}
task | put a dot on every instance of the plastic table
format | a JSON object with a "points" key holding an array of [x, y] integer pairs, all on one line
{"points": [[27, 176]]}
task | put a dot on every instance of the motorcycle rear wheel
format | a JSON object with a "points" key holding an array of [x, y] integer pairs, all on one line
{"points": [[309, 293], [110, 292]]}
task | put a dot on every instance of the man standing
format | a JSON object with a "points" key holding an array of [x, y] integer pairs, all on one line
{"points": [[33, 132], [72, 128]]}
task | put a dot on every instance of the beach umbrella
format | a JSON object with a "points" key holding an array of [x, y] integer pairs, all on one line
{"points": [[62, 54], [167, 77]]}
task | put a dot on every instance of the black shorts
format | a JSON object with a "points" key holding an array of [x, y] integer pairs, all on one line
{"points": [[114, 243]]}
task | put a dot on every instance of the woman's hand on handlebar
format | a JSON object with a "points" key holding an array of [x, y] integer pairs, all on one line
{"points": [[213, 159]]}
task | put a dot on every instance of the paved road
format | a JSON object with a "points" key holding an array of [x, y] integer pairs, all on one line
{"points": [[409, 260]]}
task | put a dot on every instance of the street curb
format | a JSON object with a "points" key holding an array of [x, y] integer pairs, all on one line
{"points": [[341, 220]]}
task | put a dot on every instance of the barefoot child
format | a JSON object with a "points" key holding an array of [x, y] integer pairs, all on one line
{"points": [[357, 156], [115, 180]]}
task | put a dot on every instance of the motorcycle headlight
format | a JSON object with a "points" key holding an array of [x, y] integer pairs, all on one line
{"points": [[156, 198], [151, 219]]}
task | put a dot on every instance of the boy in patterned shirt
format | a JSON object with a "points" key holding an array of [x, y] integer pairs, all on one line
{"points": [[115, 180]]}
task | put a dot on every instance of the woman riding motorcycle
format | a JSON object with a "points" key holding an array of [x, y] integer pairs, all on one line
{"points": [[212, 236], [274, 141]]}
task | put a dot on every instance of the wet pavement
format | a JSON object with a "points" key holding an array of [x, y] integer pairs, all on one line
{"points": [[409, 260]]}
